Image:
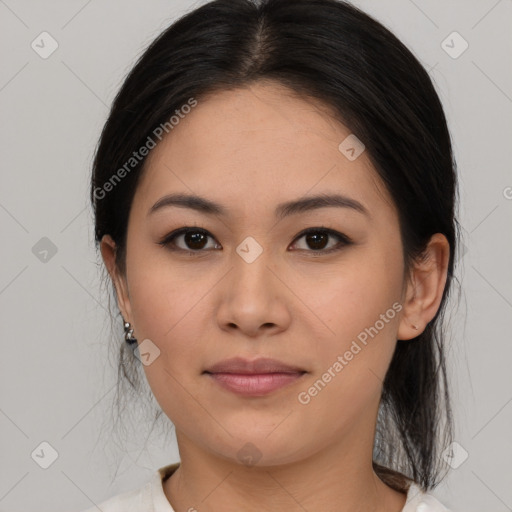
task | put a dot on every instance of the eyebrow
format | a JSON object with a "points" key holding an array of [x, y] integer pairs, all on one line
{"points": [[286, 209]]}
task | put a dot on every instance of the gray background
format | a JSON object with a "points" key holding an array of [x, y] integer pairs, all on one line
{"points": [[56, 378]]}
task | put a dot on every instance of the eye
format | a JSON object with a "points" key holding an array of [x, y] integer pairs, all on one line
{"points": [[194, 239], [317, 238]]}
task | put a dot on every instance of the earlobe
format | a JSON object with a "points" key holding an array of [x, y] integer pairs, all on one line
{"points": [[108, 252], [410, 326], [425, 288]]}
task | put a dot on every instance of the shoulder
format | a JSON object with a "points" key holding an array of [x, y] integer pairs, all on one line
{"points": [[131, 501], [419, 501], [147, 498]]}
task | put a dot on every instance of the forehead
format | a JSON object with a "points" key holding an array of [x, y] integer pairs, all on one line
{"points": [[255, 147]]}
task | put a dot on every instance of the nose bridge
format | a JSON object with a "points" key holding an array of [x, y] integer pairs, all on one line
{"points": [[249, 298], [250, 261]]}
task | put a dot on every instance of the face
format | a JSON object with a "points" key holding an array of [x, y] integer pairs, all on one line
{"points": [[247, 282]]}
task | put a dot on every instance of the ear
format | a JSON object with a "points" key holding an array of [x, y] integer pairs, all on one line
{"points": [[425, 288], [108, 252]]}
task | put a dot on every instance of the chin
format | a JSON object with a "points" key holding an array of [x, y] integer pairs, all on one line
{"points": [[261, 449]]}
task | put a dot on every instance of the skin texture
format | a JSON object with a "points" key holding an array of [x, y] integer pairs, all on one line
{"points": [[250, 149]]}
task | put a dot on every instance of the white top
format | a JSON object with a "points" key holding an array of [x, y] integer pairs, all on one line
{"points": [[151, 498]]}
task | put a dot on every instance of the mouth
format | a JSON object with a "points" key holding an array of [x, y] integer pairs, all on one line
{"points": [[253, 378]]}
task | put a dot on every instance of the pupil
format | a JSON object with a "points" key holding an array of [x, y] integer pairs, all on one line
{"points": [[194, 238], [314, 239]]}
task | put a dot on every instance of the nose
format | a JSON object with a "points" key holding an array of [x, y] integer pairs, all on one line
{"points": [[252, 299]]}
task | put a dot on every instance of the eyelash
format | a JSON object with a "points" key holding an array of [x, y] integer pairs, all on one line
{"points": [[344, 240]]}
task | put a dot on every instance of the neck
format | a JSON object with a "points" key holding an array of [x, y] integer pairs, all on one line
{"points": [[336, 479]]}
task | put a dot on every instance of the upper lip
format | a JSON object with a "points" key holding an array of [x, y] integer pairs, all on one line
{"points": [[257, 366]]}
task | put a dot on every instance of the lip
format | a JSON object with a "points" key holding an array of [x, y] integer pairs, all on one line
{"points": [[253, 378]]}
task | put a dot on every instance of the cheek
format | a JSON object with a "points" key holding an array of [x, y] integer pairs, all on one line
{"points": [[354, 299], [169, 378], [172, 319], [163, 296], [166, 311], [351, 364], [360, 307]]}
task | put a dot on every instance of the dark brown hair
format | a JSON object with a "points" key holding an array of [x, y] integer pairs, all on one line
{"points": [[330, 51]]}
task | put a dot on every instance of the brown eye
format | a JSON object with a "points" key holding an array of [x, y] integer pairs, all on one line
{"points": [[195, 240], [191, 240], [317, 239]]}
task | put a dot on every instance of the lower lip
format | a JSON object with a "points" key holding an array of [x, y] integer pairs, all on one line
{"points": [[254, 384]]}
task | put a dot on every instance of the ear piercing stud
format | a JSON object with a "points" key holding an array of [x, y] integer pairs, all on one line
{"points": [[128, 334]]}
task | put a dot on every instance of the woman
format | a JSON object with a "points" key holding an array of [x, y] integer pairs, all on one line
{"points": [[274, 195]]}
